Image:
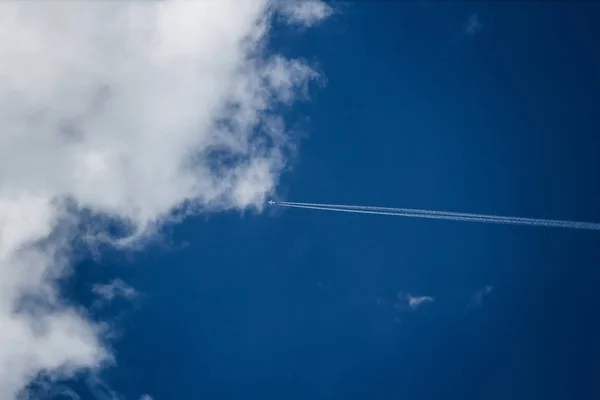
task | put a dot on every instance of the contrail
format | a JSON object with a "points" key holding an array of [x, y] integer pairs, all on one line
{"points": [[474, 217], [446, 215], [412, 211], [419, 215]]}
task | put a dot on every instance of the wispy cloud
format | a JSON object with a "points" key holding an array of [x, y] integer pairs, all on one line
{"points": [[473, 24], [407, 301], [304, 12], [130, 111], [116, 288], [478, 296], [415, 302]]}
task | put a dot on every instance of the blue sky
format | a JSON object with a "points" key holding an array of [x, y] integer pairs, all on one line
{"points": [[419, 113], [463, 106]]}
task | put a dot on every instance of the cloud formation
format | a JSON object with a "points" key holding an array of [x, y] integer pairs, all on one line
{"points": [[129, 111], [116, 288], [304, 12], [415, 302], [406, 301]]}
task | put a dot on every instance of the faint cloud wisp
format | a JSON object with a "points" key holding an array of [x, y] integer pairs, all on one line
{"points": [[477, 298], [304, 12], [408, 302], [473, 24], [116, 288], [415, 302]]}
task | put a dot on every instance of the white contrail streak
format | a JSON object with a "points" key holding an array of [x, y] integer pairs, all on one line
{"points": [[412, 211], [419, 215], [453, 216]]}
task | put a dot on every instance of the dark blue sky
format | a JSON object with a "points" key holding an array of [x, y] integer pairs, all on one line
{"points": [[416, 112]]}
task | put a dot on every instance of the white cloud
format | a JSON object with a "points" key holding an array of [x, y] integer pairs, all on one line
{"points": [[116, 288], [304, 12], [416, 301], [128, 110], [407, 301]]}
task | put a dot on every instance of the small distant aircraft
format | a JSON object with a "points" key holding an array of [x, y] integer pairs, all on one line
{"points": [[271, 202]]}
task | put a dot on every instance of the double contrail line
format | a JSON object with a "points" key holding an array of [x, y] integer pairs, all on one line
{"points": [[446, 215]]}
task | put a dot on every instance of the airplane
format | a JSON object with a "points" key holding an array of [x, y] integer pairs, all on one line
{"points": [[271, 202]]}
